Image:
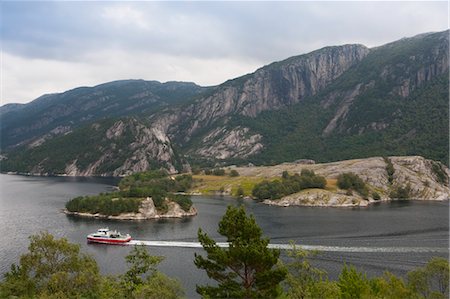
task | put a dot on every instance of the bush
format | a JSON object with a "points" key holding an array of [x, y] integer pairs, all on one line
{"points": [[240, 192], [376, 196], [439, 172], [184, 201], [234, 173], [218, 171], [352, 181], [401, 192], [289, 184], [389, 169]]}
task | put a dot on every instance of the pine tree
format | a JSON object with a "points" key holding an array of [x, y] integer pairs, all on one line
{"points": [[247, 268]]}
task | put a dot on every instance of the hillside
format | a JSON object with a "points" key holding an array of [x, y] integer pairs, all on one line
{"points": [[335, 103], [420, 178], [55, 114]]}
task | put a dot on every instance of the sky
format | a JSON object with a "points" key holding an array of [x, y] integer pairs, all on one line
{"points": [[49, 47]]}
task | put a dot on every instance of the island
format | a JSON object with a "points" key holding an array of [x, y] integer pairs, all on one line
{"points": [[140, 196]]}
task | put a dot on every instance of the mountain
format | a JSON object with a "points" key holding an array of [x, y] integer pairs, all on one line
{"points": [[54, 114], [335, 103]]}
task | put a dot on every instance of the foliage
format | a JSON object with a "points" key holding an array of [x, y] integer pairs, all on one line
{"points": [[376, 195], [218, 171], [351, 181], [353, 284], [234, 173], [289, 184], [240, 191], [133, 188], [306, 281], [105, 204], [55, 268], [143, 280], [431, 281], [400, 192], [52, 267], [439, 172], [183, 200], [247, 269], [389, 169]]}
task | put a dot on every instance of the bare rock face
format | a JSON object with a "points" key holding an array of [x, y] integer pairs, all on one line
{"points": [[320, 198], [223, 144], [147, 147], [277, 85]]}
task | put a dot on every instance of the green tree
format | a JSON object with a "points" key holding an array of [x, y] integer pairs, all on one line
{"points": [[390, 286], [431, 281], [52, 267], [303, 280], [353, 284], [247, 268], [143, 280]]}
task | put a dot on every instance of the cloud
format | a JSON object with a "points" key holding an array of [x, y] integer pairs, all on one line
{"points": [[54, 46]]}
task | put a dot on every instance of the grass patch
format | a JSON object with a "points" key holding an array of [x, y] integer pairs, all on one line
{"points": [[209, 184]]}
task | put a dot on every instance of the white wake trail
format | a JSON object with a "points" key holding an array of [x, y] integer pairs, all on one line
{"points": [[305, 247]]}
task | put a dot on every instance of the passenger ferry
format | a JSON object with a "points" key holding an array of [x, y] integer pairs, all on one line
{"points": [[106, 236]]}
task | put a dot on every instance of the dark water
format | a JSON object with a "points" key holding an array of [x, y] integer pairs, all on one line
{"points": [[29, 205]]}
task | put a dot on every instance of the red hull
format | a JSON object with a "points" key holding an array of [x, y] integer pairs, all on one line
{"points": [[108, 240]]}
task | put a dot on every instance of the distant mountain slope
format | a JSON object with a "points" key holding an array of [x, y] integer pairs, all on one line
{"points": [[55, 114], [108, 147], [331, 104], [394, 102]]}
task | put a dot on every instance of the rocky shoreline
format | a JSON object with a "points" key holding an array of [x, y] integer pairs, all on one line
{"points": [[147, 211]]}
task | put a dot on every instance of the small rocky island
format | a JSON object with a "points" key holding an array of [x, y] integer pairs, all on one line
{"points": [[141, 196]]}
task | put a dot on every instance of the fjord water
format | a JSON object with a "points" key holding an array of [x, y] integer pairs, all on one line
{"points": [[29, 205]]}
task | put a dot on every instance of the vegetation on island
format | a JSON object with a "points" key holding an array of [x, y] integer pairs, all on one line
{"points": [[55, 268], [289, 184], [350, 181], [156, 184]]}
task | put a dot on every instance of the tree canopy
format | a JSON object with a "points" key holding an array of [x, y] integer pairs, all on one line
{"points": [[247, 268]]}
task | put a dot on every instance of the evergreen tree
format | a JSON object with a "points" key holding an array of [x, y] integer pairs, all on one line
{"points": [[247, 268]]}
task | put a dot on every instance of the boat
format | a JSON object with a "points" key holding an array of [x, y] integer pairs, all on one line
{"points": [[106, 236]]}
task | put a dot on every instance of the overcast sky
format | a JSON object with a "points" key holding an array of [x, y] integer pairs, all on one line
{"points": [[55, 46]]}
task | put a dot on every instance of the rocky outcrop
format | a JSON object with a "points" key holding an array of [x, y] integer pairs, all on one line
{"points": [[147, 211], [320, 198], [420, 175], [224, 144]]}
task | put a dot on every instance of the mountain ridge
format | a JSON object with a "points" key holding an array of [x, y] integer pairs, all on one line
{"points": [[335, 103]]}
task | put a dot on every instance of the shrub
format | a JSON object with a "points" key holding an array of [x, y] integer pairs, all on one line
{"points": [[401, 192], [439, 172], [288, 185], [240, 192], [184, 201], [376, 196], [352, 181], [218, 171], [389, 169], [234, 173]]}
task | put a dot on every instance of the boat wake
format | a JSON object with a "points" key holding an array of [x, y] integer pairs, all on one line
{"points": [[290, 246]]}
